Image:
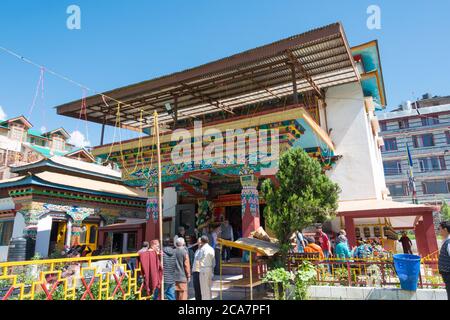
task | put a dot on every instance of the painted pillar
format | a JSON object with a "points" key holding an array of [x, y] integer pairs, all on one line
{"points": [[31, 217], [101, 238], [419, 231], [350, 229], [125, 243], [68, 233], [430, 234], [250, 204], [140, 238], [152, 216]]}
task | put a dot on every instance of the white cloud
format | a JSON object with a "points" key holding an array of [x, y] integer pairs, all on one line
{"points": [[78, 139], [43, 129], [2, 114]]}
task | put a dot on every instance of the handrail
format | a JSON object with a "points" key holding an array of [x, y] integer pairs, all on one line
{"points": [[65, 260]]}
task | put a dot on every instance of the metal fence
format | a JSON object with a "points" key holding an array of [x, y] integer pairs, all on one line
{"points": [[369, 272], [113, 277]]}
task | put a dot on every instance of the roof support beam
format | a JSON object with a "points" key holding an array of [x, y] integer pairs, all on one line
{"points": [[295, 61], [206, 98]]}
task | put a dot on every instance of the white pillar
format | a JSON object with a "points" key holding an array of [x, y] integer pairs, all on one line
{"points": [[44, 229], [68, 232], [125, 243]]}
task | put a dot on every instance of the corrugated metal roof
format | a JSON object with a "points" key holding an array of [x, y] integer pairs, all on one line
{"points": [[228, 84]]}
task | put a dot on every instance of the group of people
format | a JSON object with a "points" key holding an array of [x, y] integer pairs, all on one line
{"points": [[321, 244], [181, 264], [369, 248], [178, 271]]}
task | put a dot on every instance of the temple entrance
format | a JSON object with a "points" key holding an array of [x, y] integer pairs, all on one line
{"points": [[234, 216], [185, 216], [58, 236]]}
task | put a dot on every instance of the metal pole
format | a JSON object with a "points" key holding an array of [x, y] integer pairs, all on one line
{"points": [[220, 264], [160, 208], [294, 84], [102, 134], [251, 277]]}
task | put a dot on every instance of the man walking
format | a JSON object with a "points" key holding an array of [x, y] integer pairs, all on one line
{"points": [[406, 243], [182, 270], [207, 264], [226, 234], [444, 255], [324, 242]]}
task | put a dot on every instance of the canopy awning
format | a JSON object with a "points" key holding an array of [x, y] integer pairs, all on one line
{"points": [[398, 214], [253, 245]]}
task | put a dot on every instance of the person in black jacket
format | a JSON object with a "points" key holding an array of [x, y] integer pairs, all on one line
{"points": [[444, 255]]}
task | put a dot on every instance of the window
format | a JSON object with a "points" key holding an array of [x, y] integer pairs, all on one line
{"points": [[447, 136], [390, 144], [432, 164], [58, 144], [2, 157], [403, 124], [435, 187], [398, 190], [423, 140], [131, 244], [93, 234], [6, 229], [392, 168], [16, 133], [83, 234], [383, 125], [429, 121]]}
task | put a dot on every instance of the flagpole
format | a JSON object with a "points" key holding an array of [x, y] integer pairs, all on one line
{"points": [[160, 207], [412, 182]]}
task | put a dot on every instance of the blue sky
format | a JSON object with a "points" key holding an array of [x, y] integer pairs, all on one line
{"points": [[122, 42]]}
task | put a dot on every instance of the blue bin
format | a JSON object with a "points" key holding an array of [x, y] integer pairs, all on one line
{"points": [[407, 267]]}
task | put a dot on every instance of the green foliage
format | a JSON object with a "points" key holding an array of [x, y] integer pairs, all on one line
{"points": [[304, 277], [445, 211], [341, 274], [305, 195], [279, 279]]}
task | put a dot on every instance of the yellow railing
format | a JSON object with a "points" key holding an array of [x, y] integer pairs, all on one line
{"points": [[112, 277], [370, 271]]}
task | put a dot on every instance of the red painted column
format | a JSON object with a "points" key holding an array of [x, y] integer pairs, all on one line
{"points": [[250, 210], [139, 238], [420, 238], [350, 229], [101, 238], [430, 234], [152, 226]]}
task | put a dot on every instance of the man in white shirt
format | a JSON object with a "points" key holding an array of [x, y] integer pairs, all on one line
{"points": [[205, 263]]}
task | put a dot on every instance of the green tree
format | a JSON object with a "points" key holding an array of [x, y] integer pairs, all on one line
{"points": [[445, 211], [303, 195]]}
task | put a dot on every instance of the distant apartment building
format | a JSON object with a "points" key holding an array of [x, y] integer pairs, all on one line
{"points": [[423, 125], [20, 144]]}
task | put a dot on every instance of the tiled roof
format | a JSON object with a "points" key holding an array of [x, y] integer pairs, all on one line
{"points": [[47, 152]]}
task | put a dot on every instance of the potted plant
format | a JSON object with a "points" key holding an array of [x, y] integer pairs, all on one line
{"points": [[279, 279]]}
